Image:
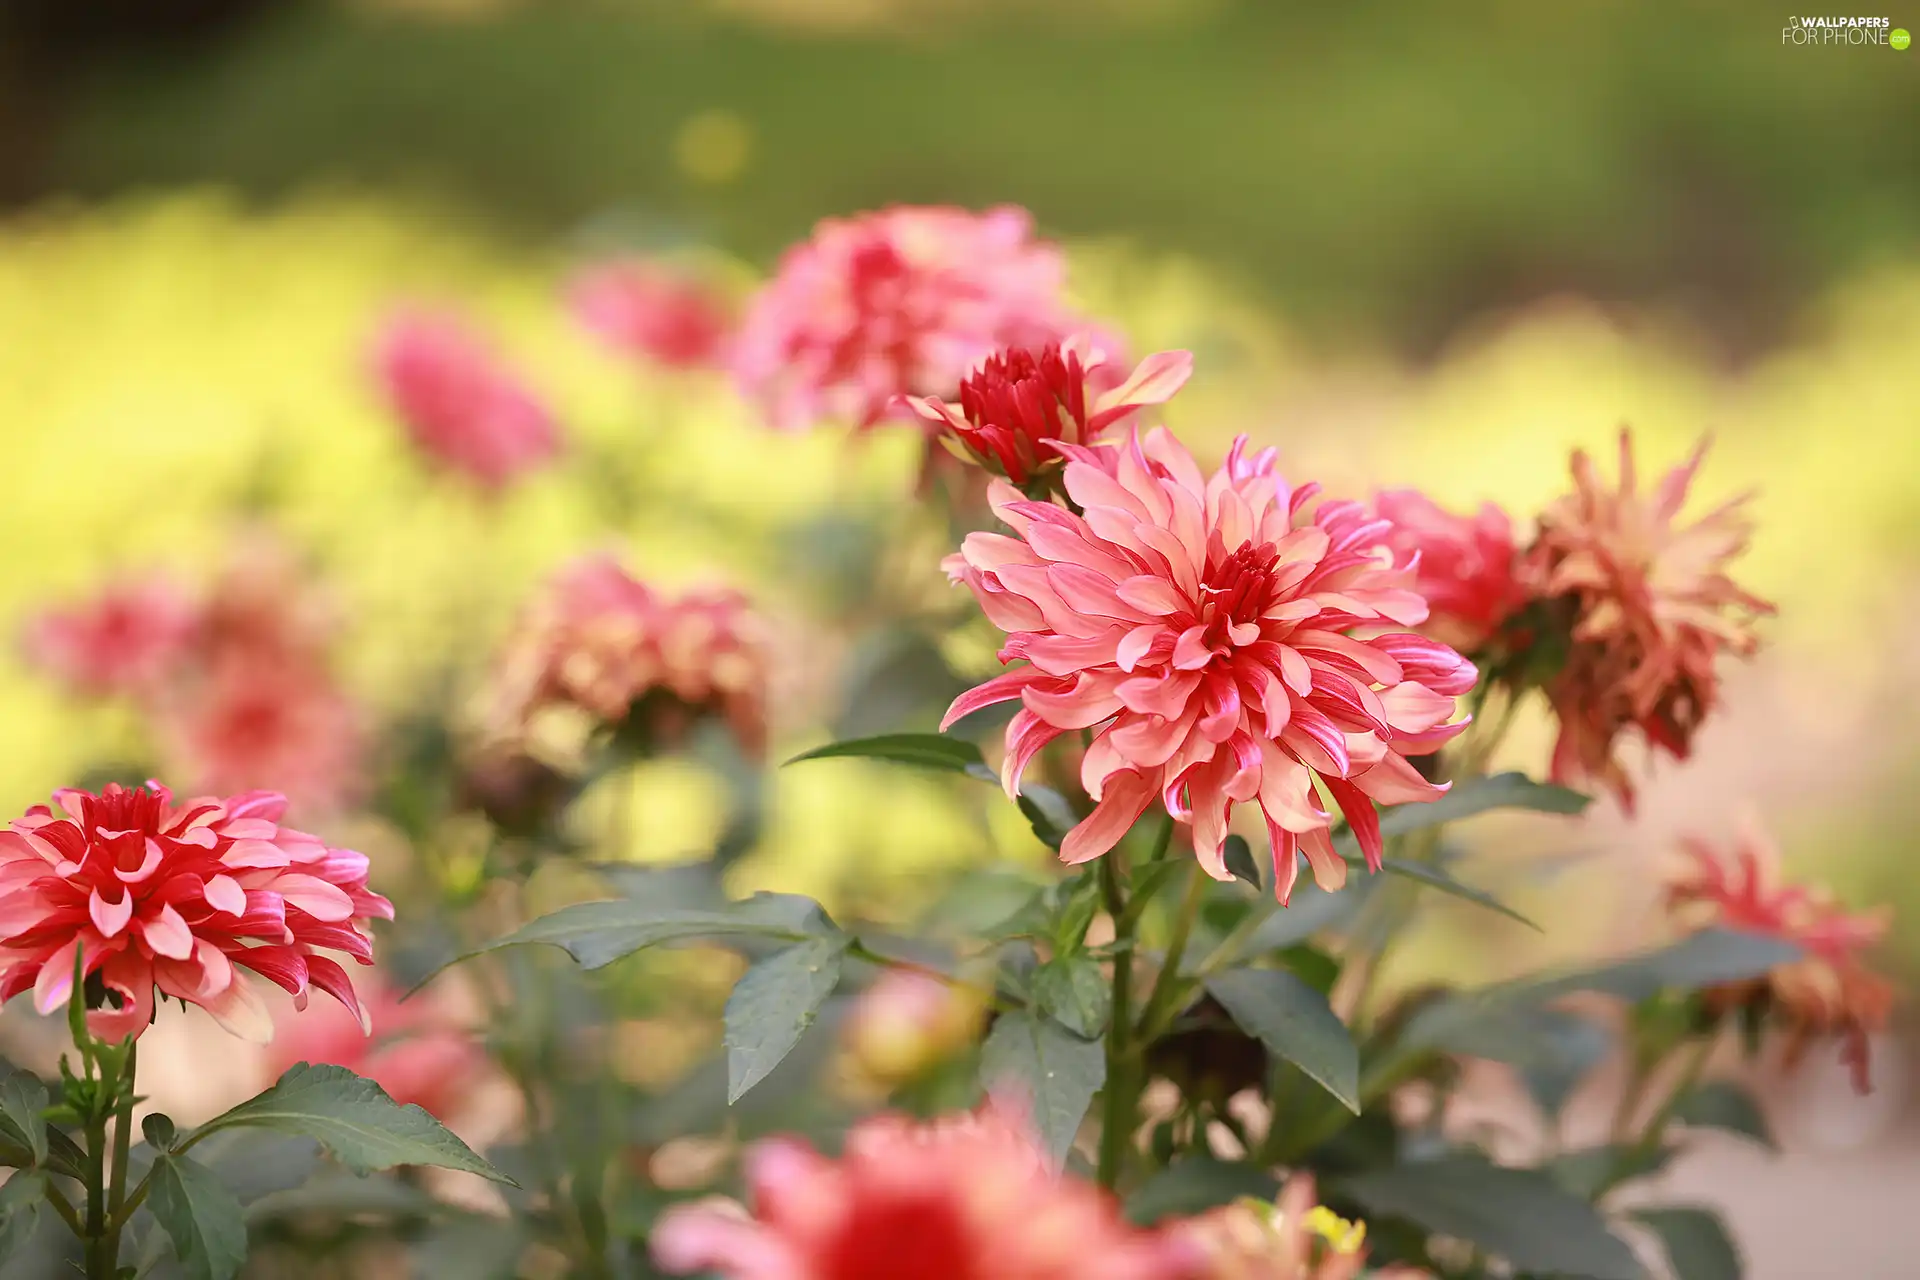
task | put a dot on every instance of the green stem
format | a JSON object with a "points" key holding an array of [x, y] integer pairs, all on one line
{"points": [[1116, 1120], [1689, 1077], [64, 1207], [99, 1265], [122, 1141], [1165, 1001]]}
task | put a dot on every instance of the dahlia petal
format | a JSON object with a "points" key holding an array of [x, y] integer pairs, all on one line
{"points": [[1153, 381], [1152, 596], [1002, 688], [1126, 797], [149, 864], [1329, 868], [1394, 781], [135, 987], [166, 934], [285, 966], [241, 1012], [331, 978], [110, 918], [1026, 734], [1136, 644], [322, 901], [55, 980], [1284, 847], [1362, 817], [224, 893], [1081, 707], [248, 854]]}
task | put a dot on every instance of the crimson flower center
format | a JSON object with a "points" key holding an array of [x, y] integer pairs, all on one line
{"points": [[1235, 590]]}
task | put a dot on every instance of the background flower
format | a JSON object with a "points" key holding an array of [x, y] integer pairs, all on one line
{"points": [[1467, 565], [121, 642], [645, 310]]}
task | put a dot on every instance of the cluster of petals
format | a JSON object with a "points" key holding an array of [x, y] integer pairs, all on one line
{"points": [[959, 1198], [898, 302], [1828, 992], [908, 1022], [120, 643], [1295, 1238], [461, 406], [1467, 567], [1651, 609], [188, 899], [1018, 403], [651, 313], [1224, 639], [600, 640], [422, 1050]]}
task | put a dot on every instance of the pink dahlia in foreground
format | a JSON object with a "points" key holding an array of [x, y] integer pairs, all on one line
{"points": [[601, 640], [189, 899], [420, 1051], [1467, 565], [463, 408], [899, 302], [1225, 640], [1829, 992], [122, 642], [957, 1199], [648, 312], [1019, 402], [1295, 1238], [1652, 608]]}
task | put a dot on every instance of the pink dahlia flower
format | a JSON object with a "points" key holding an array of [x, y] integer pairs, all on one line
{"points": [[1828, 992], [1652, 608], [122, 642], [1017, 404], [184, 899], [1224, 640], [648, 312], [601, 640], [462, 407], [1466, 567], [419, 1051], [899, 302], [957, 1199]]}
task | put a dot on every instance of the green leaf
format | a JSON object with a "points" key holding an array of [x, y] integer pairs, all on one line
{"points": [[1074, 991], [1721, 1104], [207, 1225], [1591, 1172], [1311, 910], [1434, 878], [355, 1119], [22, 1099], [773, 1003], [1048, 812], [1696, 1241], [1238, 855], [1054, 1072], [921, 750], [21, 1200], [1195, 1185], [1521, 1215], [1479, 795], [598, 933], [159, 1131], [1294, 1022]]}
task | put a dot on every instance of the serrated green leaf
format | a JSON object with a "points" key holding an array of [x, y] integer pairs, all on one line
{"points": [[1294, 1022], [1074, 991], [1192, 1186], [1697, 1243], [1721, 1104], [1521, 1215], [207, 1225], [354, 1119], [598, 933], [1051, 1070], [21, 1200], [921, 750], [773, 1003], [22, 1100]]}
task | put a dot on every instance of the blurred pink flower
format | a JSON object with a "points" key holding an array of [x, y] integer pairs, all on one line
{"points": [[899, 302], [1467, 566], [600, 639], [182, 898], [1017, 403], [958, 1199], [121, 642], [908, 1022], [643, 310], [461, 405], [1293, 1239], [419, 1051], [1651, 607], [1828, 992], [1222, 644]]}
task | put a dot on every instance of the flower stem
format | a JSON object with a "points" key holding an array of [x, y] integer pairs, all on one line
{"points": [[122, 1141], [1116, 1119], [1169, 986], [1689, 1076]]}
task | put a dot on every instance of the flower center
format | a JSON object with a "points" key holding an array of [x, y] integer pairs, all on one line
{"points": [[1236, 589]]}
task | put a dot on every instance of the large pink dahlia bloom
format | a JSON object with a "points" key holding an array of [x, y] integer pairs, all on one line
{"points": [[961, 1198], [1225, 640], [182, 898], [899, 302]]}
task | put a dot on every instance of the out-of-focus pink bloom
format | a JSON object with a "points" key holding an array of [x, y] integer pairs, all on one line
{"points": [[180, 898], [1017, 403], [644, 310], [958, 1199], [1652, 608], [1828, 992], [461, 405], [1223, 643], [907, 1022], [601, 640], [419, 1051], [899, 302], [121, 642], [1295, 1238], [1467, 566]]}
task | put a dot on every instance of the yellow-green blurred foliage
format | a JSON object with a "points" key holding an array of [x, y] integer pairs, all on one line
{"points": [[164, 364]]}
